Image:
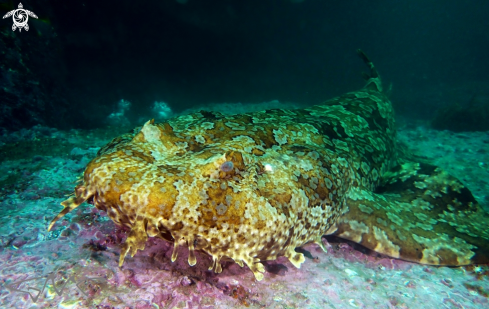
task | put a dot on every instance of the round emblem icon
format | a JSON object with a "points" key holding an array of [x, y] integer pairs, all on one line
{"points": [[20, 18]]}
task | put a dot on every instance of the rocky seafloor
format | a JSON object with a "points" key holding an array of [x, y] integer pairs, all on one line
{"points": [[76, 264]]}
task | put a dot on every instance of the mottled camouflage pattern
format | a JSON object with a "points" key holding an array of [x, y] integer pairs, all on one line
{"points": [[255, 186]]}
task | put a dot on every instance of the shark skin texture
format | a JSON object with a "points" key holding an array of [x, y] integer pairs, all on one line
{"points": [[255, 186]]}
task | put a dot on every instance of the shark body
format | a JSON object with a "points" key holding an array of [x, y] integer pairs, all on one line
{"points": [[254, 186]]}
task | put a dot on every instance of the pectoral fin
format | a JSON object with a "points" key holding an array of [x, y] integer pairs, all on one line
{"points": [[420, 214]]}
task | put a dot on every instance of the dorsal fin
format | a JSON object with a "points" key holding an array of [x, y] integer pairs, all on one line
{"points": [[372, 78]]}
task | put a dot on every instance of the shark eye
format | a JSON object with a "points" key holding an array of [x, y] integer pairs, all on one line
{"points": [[227, 166]]}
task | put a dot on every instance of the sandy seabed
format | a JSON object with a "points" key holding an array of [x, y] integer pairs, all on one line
{"points": [[75, 265]]}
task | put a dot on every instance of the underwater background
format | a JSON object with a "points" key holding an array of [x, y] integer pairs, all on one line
{"points": [[87, 71]]}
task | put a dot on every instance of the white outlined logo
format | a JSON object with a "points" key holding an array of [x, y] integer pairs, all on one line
{"points": [[20, 18]]}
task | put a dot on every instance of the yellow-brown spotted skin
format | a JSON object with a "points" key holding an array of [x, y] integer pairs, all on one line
{"points": [[255, 186]]}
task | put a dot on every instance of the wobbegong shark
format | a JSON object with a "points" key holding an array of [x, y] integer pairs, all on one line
{"points": [[255, 186]]}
